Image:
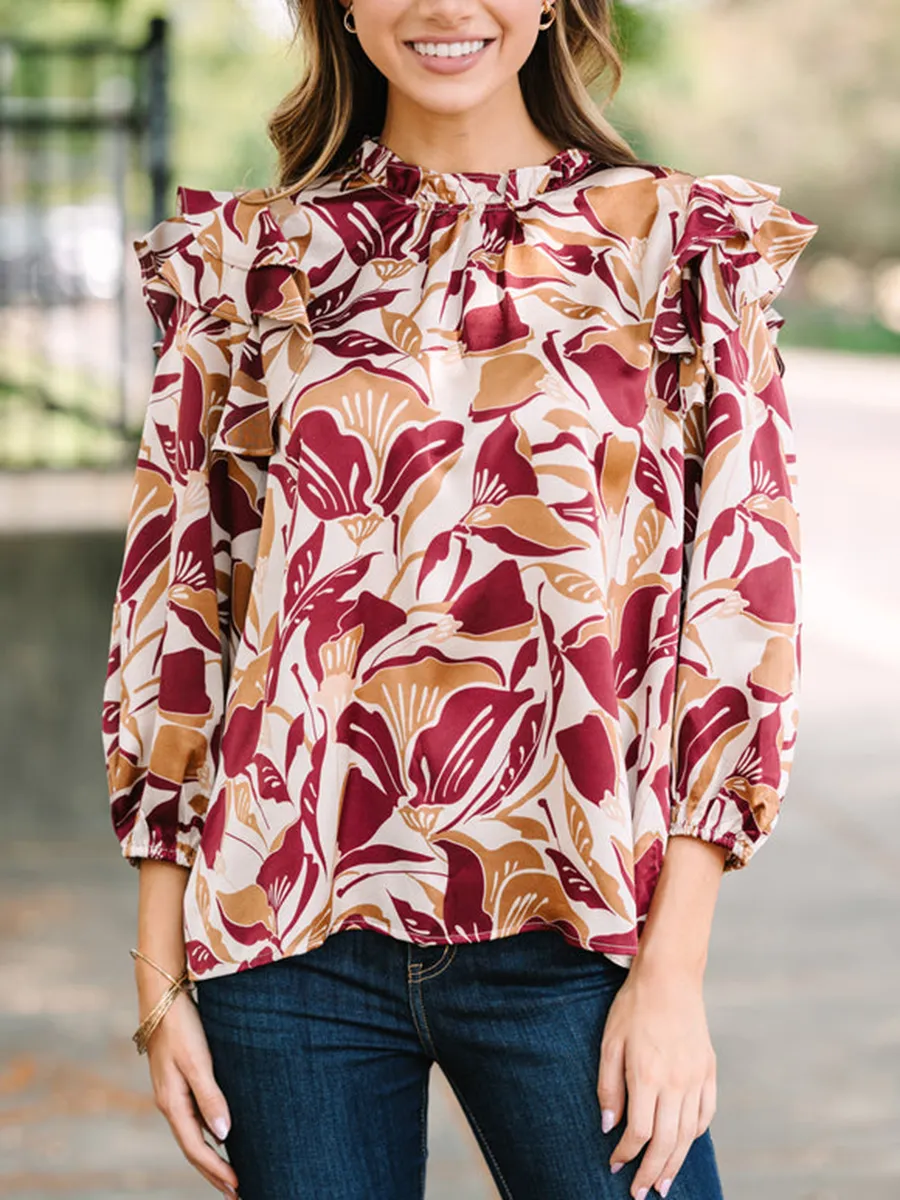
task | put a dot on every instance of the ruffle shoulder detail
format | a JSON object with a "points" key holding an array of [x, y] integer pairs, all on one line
{"points": [[223, 252], [733, 244], [226, 254]]}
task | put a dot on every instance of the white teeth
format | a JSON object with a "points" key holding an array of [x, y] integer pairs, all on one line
{"points": [[447, 49]]}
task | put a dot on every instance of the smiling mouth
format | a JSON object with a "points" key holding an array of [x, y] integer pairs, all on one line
{"points": [[461, 49]]}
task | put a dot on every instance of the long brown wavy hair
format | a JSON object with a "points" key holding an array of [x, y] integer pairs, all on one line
{"points": [[343, 96]]}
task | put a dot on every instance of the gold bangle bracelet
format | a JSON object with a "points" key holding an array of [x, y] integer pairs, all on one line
{"points": [[141, 1035], [183, 983], [139, 954]]}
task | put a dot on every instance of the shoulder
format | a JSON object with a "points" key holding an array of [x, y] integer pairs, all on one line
{"points": [[697, 248], [225, 253], [225, 256], [675, 206]]}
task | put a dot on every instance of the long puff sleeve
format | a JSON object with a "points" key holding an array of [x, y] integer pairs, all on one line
{"points": [[736, 711], [221, 285]]}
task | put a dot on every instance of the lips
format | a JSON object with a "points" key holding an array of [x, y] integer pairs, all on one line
{"points": [[449, 56]]}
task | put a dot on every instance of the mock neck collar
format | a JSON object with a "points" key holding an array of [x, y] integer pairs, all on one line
{"points": [[382, 167]]}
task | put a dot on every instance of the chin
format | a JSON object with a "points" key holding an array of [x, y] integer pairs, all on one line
{"points": [[445, 101], [450, 107]]}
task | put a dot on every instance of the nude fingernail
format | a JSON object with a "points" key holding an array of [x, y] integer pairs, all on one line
{"points": [[616, 1167], [642, 1194], [664, 1188], [607, 1119], [220, 1128]]}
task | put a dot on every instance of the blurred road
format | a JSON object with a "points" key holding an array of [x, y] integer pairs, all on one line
{"points": [[804, 971]]}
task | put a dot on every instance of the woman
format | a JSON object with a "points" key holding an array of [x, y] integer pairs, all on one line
{"points": [[459, 603]]}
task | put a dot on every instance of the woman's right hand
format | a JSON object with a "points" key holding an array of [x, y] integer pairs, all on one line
{"points": [[184, 1086], [186, 1092]]}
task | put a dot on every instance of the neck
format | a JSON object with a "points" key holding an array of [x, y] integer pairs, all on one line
{"points": [[499, 136]]}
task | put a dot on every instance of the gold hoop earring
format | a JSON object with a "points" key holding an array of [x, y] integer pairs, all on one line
{"points": [[348, 14], [551, 9]]}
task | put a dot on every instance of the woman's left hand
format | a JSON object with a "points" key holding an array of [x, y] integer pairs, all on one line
{"points": [[656, 1047]]}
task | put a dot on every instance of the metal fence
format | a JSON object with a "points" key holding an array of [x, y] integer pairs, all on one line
{"points": [[84, 166]]}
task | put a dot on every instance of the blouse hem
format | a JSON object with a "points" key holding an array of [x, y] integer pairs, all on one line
{"points": [[617, 953]]}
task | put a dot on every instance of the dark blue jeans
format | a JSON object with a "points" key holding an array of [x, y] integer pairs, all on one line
{"points": [[324, 1058]]}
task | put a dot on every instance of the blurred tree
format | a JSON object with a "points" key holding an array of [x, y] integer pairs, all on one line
{"points": [[228, 72], [800, 93], [638, 31]]}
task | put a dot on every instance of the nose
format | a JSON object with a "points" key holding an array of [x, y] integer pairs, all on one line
{"points": [[447, 12]]}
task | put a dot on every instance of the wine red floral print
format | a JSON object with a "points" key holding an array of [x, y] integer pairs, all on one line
{"points": [[463, 561]]}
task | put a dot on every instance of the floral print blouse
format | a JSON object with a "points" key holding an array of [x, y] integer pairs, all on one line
{"points": [[463, 564]]}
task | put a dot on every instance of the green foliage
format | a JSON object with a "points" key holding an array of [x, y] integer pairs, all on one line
{"points": [[638, 32], [227, 75], [824, 328], [802, 94]]}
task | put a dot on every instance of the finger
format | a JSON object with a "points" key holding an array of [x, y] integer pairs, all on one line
{"points": [[687, 1132], [183, 1118], [211, 1165], [611, 1083], [642, 1099], [209, 1098], [707, 1104], [662, 1144]]}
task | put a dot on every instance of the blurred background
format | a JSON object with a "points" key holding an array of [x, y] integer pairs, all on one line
{"points": [[105, 105]]}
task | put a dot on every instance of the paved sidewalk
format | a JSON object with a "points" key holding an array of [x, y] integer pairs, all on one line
{"points": [[804, 972], [76, 1115]]}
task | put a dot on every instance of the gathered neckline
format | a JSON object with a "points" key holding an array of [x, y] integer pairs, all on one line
{"points": [[383, 167]]}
